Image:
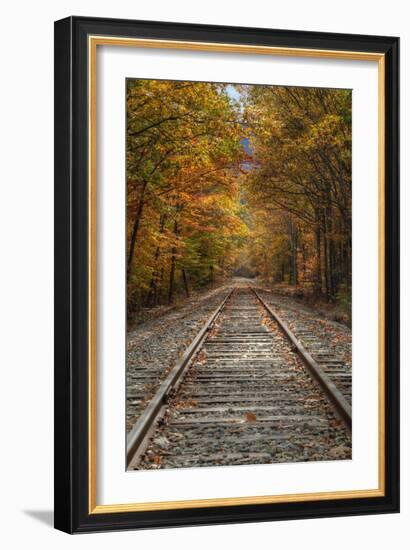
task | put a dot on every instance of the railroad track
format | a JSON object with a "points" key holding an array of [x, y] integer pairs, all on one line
{"points": [[330, 360], [246, 391]]}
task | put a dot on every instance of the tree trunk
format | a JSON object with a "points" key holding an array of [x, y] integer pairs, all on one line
{"points": [[135, 229], [331, 254], [328, 257], [304, 262], [153, 284], [173, 264], [326, 270], [318, 240], [293, 254], [159, 289], [184, 278], [155, 275]]}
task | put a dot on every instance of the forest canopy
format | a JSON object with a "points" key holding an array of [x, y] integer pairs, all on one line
{"points": [[227, 180]]}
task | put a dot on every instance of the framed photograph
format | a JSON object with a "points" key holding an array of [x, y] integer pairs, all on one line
{"points": [[226, 274]]}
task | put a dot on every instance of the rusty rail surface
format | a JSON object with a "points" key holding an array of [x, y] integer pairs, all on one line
{"points": [[328, 386], [137, 435]]}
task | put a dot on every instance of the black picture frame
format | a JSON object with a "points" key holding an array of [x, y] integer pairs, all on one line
{"points": [[71, 492]]}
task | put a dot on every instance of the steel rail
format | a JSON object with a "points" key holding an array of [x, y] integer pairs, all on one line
{"points": [[328, 386], [140, 429]]}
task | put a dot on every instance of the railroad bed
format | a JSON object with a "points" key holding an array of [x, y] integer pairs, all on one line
{"points": [[154, 347], [242, 395], [310, 332]]}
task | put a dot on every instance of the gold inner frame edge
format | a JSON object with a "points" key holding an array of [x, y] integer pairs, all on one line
{"points": [[93, 42]]}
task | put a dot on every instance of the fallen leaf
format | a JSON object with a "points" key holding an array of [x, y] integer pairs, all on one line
{"points": [[250, 417]]}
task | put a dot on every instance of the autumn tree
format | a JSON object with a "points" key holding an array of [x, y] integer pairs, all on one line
{"points": [[301, 180], [255, 186], [183, 154]]}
